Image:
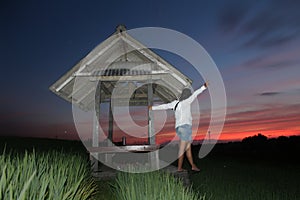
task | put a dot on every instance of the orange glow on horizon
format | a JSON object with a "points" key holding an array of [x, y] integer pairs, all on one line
{"points": [[226, 136], [271, 122]]}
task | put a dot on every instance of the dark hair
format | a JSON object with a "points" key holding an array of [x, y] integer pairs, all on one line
{"points": [[186, 93]]}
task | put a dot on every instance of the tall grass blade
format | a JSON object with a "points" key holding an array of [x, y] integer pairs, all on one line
{"points": [[26, 186]]}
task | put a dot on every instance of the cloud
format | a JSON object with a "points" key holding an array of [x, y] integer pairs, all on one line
{"points": [[263, 24], [231, 16], [273, 60], [272, 26], [269, 93], [265, 39], [261, 116], [271, 120]]}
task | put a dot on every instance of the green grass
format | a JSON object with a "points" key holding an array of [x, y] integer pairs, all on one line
{"points": [[153, 185], [236, 178], [52, 175], [57, 174]]}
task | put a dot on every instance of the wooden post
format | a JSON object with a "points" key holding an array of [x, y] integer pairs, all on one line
{"points": [[151, 138], [154, 159], [108, 157], [96, 117], [110, 122]]}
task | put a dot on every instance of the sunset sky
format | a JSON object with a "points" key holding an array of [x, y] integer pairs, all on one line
{"points": [[255, 45]]}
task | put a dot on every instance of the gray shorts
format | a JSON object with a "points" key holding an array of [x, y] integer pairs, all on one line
{"points": [[184, 132]]}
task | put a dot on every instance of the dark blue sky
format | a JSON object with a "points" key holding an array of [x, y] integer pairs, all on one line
{"points": [[254, 44]]}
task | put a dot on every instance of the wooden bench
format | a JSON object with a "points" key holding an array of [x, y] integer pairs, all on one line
{"points": [[121, 149]]}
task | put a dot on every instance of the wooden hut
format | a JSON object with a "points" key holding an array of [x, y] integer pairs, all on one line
{"points": [[121, 58]]}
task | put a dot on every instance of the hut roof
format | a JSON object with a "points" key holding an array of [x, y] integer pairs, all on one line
{"points": [[120, 58]]}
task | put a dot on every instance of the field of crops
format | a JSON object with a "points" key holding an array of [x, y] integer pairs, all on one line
{"points": [[52, 175], [64, 176], [62, 172], [228, 178]]}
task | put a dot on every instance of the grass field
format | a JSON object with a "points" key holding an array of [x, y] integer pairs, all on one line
{"points": [[230, 178], [227, 178], [223, 175], [45, 175]]}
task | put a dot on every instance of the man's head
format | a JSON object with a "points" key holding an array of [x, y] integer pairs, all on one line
{"points": [[186, 93]]}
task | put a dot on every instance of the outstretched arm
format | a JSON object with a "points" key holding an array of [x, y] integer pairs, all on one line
{"points": [[197, 92], [163, 106]]}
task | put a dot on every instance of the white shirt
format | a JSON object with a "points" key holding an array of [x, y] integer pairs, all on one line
{"points": [[183, 113]]}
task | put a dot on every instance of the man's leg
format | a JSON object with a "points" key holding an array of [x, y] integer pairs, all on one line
{"points": [[182, 147], [190, 157]]}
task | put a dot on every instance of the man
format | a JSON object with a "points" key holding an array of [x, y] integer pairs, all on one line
{"points": [[183, 123]]}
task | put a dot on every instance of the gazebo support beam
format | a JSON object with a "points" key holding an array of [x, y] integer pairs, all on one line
{"points": [[154, 159], [108, 157], [95, 139]]}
